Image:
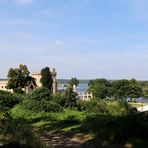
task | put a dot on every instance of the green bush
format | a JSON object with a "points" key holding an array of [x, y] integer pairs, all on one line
{"points": [[59, 99], [100, 106], [16, 130], [5, 122], [8, 100], [40, 105], [122, 128], [93, 106], [39, 94], [117, 108], [133, 125], [20, 132], [72, 120]]}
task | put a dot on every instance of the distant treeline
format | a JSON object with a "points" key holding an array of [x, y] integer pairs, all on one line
{"points": [[63, 81], [143, 84], [66, 81]]}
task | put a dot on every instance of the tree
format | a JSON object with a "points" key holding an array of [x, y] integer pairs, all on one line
{"points": [[120, 89], [100, 88], [135, 89], [46, 78], [70, 97], [30, 84], [18, 78], [74, 82]]}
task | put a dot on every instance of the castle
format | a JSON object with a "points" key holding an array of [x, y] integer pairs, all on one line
{"points": [[37, 77]]}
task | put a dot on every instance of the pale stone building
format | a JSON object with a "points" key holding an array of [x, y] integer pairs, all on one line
{"points": [[3, 85], [37, 76]]}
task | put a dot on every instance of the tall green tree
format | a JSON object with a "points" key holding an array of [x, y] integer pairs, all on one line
{"points": [[135, 89], [120, 89], [46, 78], [18, 78], [74, 82], [100, 88], [70, 97]]}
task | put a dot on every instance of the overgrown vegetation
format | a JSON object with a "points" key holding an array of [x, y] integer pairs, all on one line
{"points": [[25, 118]]}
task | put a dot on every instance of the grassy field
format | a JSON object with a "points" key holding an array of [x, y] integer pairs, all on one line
{"points": [[81, 128]]}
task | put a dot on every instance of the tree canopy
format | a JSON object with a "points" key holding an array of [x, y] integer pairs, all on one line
{"points": [[19, 78], [120, 89], [100, 88], [46, 78], [74, 82], [135, 89]]}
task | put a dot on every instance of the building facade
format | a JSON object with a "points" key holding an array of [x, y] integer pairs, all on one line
{"points": [[3, 85], [37, 77]]}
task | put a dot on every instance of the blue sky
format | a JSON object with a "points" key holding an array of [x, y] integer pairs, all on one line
{"points": [[80, 38]]}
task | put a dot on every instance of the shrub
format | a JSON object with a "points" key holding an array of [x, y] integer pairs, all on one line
{"points": [[100, 106], [122, 128], [93, 106], [5, 122], [72, 120], [41, 105], [117, 108], [16, 130], [39, 94], [20, 132], [59, 99], [133, 125], [8, 100]]}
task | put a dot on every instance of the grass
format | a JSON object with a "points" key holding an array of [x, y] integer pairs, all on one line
{"points": [[137, 104], [109, 129]]}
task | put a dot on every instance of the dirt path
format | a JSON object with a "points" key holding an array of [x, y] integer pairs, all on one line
{"points": [[59, 140]]}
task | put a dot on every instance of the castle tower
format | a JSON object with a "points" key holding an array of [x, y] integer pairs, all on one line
{"points": [[37, 76]]}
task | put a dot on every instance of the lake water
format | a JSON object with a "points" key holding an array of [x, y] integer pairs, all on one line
{"points": [[82, 87]]}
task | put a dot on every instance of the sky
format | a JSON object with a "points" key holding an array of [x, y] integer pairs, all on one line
{"points": [[86, 39]]}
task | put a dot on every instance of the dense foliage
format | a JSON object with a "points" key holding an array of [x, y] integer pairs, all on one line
{"points": [[8, 100], [100, 88], [119, 89], [19, 78], [70, 97], [74, 82], [46, 78], [39, 94], [40, 100]]}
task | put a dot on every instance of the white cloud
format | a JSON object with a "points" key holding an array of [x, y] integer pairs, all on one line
{"points": [[23, 2], [59, 43]]}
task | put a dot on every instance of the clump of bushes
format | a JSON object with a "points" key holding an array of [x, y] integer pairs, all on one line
{"points": [[122, 128], [8, 100], [40, 94], [40, 105], [20, 131], [93, 106], [41, 100], [16, 130], [101, 106], [72, 120]]}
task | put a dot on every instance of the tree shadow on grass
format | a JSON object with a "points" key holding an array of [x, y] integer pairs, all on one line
{"points": [[128, 131]]}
